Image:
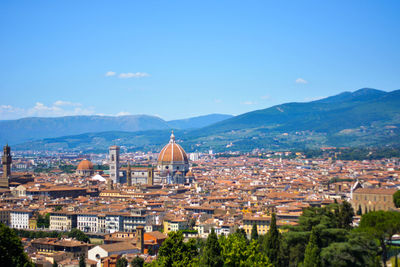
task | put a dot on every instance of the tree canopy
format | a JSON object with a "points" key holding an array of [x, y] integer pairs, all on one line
{"points": [[11, 249]]}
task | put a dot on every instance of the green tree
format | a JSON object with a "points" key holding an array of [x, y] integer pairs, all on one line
{"points": [[358, 251], [233, 249], [381, 225], [11, 249], [150, 251], [254, 257], [43, 221], [212, 251], [78, 235], [346, 214], [122, 262], [192, 223], [175, 252], [254, 232], [396, 199], [137, 262], [237, 251], [312, 254], [55, 264], [82, 262], [359, 211], [272, 242]]}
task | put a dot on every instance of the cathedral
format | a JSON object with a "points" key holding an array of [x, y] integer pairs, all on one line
{"points": [[172, 168]]}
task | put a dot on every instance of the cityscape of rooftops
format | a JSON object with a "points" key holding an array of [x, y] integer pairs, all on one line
{"points": [[199, 133]]}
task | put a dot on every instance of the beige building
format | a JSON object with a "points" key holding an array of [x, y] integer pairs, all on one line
{"points": [[370, 199], [62, 221]]}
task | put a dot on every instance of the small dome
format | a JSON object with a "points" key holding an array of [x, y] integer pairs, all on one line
{"points": [[85, 165], [189, 173], [172, 152]]}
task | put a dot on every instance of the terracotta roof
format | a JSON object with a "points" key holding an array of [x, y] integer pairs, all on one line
{"points": [[85, 165], [118, 246], [379, 191], [172, 152]]}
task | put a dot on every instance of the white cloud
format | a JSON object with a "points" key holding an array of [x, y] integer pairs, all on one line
{"points": [[265, 97], [110, 73], [57, 109], [123, 113], [217, 101], [66, 103], [133, 75], [301, 80]]}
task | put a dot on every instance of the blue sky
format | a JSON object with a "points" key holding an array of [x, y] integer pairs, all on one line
{"points": [[177, 59]]}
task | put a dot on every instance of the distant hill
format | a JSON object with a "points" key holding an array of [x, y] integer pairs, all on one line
{"points": [[29, 129], [366, 117], [16, 131], [198, 122]]}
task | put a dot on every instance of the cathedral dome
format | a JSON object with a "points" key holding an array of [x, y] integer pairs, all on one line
{"points": [[85, 165], [172, 152]]}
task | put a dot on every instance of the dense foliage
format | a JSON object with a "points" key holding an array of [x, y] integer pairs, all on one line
{"points": [[74, 233], [323, 237], [11, 249], [43, 221]]}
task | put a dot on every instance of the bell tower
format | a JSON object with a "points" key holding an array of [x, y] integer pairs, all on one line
{"points": [[6, 160], [114, 164]]}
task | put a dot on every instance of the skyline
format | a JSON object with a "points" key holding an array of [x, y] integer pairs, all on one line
{"points": [[177, 60]]}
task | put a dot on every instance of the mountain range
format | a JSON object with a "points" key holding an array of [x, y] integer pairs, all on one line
{"points": [[366, 117], [28, 129]]}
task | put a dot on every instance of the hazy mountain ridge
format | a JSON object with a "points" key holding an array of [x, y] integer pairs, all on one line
{"points": [[34, 128], [366, 117], [198, 122]]}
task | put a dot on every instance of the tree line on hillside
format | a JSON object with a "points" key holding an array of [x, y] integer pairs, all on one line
{"points": [[355, 153]]}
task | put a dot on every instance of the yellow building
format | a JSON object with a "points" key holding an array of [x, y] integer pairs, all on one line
{"points": [[173, 225], [33, 223], [261, 222]]}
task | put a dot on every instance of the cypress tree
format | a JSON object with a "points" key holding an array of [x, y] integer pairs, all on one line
{"points": [[254, 232], [312, 255], [212, 251], [82, 262], [346, 215], [272, 242]]}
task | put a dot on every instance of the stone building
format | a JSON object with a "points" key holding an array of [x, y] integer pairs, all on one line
{"points": [[6, 161], [370, 199], [114, 164]]}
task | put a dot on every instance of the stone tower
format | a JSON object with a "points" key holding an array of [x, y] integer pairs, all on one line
{"points": [[150, 176], [129, 175], [6, 160], [114, 164], [140, 238]]}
